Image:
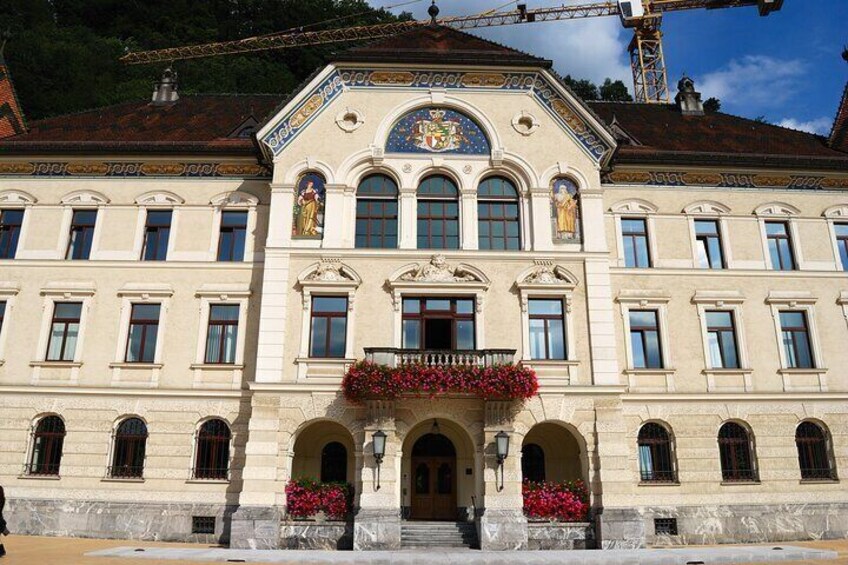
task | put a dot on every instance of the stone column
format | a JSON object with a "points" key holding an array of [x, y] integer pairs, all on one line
{"points": [[540, 211], [377, 524], [502, 525], [617, 525], [256, 523], [468, 230], [407, 214]]}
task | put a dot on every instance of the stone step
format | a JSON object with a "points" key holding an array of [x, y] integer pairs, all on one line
{"points": [[452, 535]]}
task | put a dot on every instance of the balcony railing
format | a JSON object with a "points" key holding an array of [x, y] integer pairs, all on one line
{"points": [[393, 357]]}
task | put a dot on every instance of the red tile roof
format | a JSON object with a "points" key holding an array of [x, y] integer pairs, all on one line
{"points": [[445, 45], [839, 132], [194, 124], [662, 133], [11, 117]]}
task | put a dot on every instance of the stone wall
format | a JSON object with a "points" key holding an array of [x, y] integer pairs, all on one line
{"points": [[316, 534], [557, 536], [116, 520]]}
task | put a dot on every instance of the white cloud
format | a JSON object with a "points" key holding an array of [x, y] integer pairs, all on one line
{"points": [[820, 126], [593, 48], [754, 81]]}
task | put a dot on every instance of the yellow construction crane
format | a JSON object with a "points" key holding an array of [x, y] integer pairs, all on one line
{"points": [[650, 81]]}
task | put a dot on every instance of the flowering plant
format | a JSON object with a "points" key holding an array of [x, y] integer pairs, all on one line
{"points": [[558, 502], [307, 497], [498, 382]]}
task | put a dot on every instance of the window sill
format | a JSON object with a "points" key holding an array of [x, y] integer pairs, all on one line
{"points": [[128, 365], [740, 483], [208, 482], [40, 477], [216, 366], [818, 481], [551, 362], [649, 371], [810, 371], [727, 371], [120, 480], [56, 364], [659, 483], [326, 360]]}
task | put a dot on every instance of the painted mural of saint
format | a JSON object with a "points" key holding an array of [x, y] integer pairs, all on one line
{"points": [[308, 216], [566, 210]]}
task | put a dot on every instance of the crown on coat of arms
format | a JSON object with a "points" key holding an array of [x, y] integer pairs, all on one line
{"points": [[437, 114]]}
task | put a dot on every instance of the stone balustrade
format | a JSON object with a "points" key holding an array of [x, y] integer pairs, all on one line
{"points": [[394, 357]]}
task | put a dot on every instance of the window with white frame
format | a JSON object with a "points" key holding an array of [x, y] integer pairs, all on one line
{"points": [[233, 227], [794, 318], [721, 339], [837, 220], [720, 313], [646, 330], [11, 222], [329, 289], [64, 331], [634, 226], [709, 236], [63, 325], [546, 293], [8, 293], [547, 328], [142, 327], [777, 225], [81, 236], [143, 333], [223, 311], [157, 233]]}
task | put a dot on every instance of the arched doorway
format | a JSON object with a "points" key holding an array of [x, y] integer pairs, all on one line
{"points": [[553, 452], [433, 478]]}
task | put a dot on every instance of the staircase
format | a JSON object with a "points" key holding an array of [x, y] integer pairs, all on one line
{"points": [[455, 535]]}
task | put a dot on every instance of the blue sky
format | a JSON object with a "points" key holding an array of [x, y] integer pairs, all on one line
{"points": [[785, 67]]}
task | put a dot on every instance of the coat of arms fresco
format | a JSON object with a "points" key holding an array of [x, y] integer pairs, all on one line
{"points": [[565, 210], [437, 130], [309, 206]]}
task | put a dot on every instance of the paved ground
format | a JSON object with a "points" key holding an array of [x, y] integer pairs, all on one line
{"points": [[62, 551]]}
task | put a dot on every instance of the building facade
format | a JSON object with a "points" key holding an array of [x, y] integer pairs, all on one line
{"points": [[182, 300]]}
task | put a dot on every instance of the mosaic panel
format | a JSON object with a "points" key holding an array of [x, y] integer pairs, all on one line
{"points": [[437, 130], [308, 217], [565, 210]]}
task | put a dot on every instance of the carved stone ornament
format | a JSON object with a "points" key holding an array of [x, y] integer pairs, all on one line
{"points": [[545, 274], [329, 271], [438, 270]]}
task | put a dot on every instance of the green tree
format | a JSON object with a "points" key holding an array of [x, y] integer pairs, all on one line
{"points": [[712, 105], [585, 89], [615, 91]]}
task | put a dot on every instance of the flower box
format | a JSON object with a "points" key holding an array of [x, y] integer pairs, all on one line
{"points": [[366, 380], [307, 498], [555, 502]]}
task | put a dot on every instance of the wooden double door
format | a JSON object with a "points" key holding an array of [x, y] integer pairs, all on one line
{"points": [[433, 479]]}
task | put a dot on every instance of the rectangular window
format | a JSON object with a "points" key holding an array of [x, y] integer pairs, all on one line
{"points": [[440, 324], [547, 329], [144, 329], [438, 224], [708, 244], [841, 231], [328, 334], [498, 225], [157, 231], [645, 339], [10, 232], [221, 334], [376, 223], [64, 331], [634, 233], [721, 339], [780, 246], [82, 234], [232, 236], [796, 340]]}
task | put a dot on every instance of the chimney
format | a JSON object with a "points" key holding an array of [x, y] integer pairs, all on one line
{"points": [[839, 133], [11, 116], [687, 99], [165, 91]]}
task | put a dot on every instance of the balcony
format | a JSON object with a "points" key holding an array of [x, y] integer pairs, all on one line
{"points": [[395, 358]]}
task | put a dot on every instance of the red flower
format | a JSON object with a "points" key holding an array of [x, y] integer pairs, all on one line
{"points": [[501, 382], [559, 502], [306, 498]]}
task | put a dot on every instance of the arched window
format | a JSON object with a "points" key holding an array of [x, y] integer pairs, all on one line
{"points": [[377, 213], [438, 213], [128, 453], [497, 213], [334, 463], [213, 450], [814, 452], [656, 462], [47, 441], [533, 463], [736, 451]]}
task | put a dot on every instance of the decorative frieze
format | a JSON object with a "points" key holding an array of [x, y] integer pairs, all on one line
{"points": [[724, 179], [132, 169]]}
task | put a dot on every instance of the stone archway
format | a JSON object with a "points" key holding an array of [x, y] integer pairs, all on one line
{"points": [[320, 448], [552, 452], [439, 472]]}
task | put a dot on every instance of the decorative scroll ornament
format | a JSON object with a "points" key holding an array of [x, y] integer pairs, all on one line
{"points": [[545, 274], [329, 271], [438, 270]]}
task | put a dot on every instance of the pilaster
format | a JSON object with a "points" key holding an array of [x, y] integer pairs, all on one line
{"points": [[407, 214], [540, 211]]}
